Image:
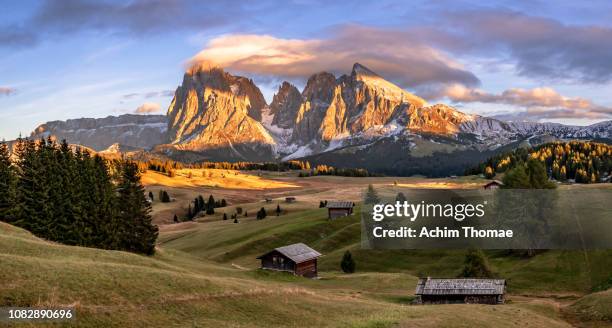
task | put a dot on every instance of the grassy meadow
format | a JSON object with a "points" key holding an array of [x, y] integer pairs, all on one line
{"points": [[204, 273]]}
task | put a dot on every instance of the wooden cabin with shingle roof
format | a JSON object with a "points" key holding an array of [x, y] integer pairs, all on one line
{"points": [[469, 290], [298, 259], [337, 209]]}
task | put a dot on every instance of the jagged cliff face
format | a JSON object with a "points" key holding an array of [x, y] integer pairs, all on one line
{"points": [[351, 104], [141, 131], [353, 120], [214, 110], [285, 105]]}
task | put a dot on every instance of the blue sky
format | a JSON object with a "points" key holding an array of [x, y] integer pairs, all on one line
{"points": [[518, 60]]}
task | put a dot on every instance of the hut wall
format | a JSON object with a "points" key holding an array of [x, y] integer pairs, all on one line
{"points": [[338, 212], [307, 269], [281, 263]]}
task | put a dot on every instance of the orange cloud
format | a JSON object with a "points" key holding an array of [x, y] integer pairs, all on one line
{"points": [[148, 108], [7, 91], [539, 102], [395, 55]]}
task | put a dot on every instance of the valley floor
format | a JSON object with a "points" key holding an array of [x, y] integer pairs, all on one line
{"points": [[204, 273]]}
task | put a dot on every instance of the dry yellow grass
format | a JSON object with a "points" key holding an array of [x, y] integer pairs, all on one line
{"points": [[229, 179]]}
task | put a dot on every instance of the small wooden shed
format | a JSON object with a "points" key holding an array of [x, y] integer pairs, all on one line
{"points": [[289, 199], [468, 290], [337, 209], [495, 184], [298, 259]]}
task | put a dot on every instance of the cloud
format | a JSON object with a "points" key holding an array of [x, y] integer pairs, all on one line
{"points": [[148, 108], [395, 55], [135, 18], [148, 95], [539, 47], [7, 91], [540, 103]]}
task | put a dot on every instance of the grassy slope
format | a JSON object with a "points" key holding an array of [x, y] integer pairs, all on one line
{"points": [[593, 307], [118, 289], [558, 272]]}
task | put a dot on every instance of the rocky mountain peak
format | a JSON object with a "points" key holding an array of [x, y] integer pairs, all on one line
{"points": [[285, 105], [319, 87], [360, 70], [213, 109]]}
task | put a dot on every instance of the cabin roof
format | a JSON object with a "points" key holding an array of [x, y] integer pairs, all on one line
{"points": [[429, 286], [298, 253], [339, 204]]}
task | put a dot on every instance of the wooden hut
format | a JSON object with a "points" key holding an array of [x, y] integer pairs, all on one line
{"points": [[447, 291], [495, 184], [298, 259], [289, 199], [337, 209]]}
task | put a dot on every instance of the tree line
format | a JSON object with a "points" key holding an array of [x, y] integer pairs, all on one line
{"points": [[169, 166], [71, 197], [345, 172], [200, 205], [580, 161]]}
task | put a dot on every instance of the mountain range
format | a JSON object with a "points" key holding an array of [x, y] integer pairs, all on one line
{"points": [[355, 120]]}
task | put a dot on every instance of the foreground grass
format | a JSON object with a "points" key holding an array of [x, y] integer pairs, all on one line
{"points": [[175, 289], [552, 272]]}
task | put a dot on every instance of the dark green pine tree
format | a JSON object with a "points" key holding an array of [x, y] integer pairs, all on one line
{"points": [[70, 203], [29, 213], [210, 206], [347, 264], [8, 180], [224, 216], [517, 178], [103, 204], [201, 203], [261, 214], [538, 178], [50, 156], [476, 265], [137, 233], [196, 207], [278, 210], [371, 196]]}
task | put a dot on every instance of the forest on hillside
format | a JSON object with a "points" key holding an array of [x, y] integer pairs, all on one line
{"points": [[578, 161], [71, 197]]}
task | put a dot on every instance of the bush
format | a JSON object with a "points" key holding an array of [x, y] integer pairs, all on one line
{"points": [[476, 265], [347, 264]]}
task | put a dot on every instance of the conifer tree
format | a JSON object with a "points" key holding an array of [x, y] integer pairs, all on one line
{"points": [[347, 264], [137, 232], [400, 197], [224, 216], [7, 184], [371, 196], [278, 210], [476, 265], [210, 206]]}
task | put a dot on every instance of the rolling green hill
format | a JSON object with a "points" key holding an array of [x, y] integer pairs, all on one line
{"points": [[203, 274]]}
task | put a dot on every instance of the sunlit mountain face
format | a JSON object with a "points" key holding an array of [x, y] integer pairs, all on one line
{"points": [[351, 120]]}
